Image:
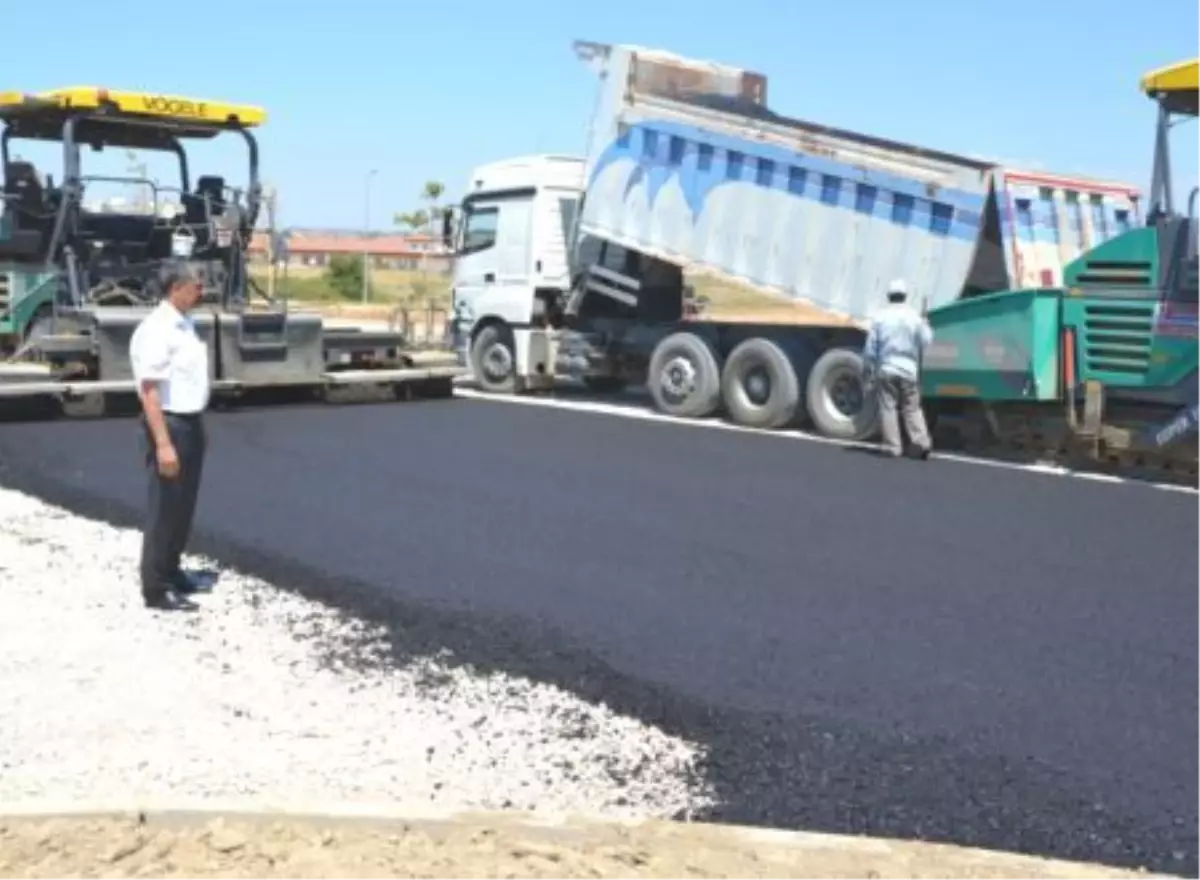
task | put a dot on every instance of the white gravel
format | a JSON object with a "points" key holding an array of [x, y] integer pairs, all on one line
{"points": [[103, 699]]}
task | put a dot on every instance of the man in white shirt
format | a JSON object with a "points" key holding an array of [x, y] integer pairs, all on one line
{"points": [[170, 364], [896, 341]]}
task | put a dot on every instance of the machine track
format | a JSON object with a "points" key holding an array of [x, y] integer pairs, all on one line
{"points": [[1030, 440]]}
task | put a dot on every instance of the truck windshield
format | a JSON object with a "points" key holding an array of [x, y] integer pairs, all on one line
{"points": [[479, 228]]}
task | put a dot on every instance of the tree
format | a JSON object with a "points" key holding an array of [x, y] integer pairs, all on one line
{"points": [[421, 219], [414, 220], [424, 220], [433, 192], [344, 274]]}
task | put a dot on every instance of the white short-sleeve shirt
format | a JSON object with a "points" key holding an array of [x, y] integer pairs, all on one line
{"points": [[166, 348]]}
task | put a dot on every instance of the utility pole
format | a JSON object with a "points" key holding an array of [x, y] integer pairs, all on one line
{"points": [[366, 257], [269, 197]]}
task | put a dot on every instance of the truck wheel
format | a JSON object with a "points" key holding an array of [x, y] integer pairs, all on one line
{"points": [[837, 402], [604, 384], [684, 378], [493, 359], [759, 385]]}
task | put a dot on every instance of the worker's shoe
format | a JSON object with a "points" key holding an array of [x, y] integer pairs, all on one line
{"points": [[170, 601], [186, 584]]}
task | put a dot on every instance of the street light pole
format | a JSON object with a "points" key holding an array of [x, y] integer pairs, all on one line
{"points": [[366, 256], [272, 239]]}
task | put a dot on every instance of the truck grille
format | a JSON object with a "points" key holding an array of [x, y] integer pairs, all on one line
{"points": [[1117, 338]]}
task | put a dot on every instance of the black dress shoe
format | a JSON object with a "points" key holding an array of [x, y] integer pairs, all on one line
{"points": [[185, 584], [170, 601]]}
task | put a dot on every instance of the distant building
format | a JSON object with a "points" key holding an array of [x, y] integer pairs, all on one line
{"points": [[314, 248]]}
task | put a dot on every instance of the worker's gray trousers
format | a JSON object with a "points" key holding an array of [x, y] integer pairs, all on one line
{"points": [[901, 398], [171, 503]]}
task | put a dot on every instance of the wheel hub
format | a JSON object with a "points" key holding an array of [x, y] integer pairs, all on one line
{"points": [[497, 362], [757, 385], [846, 395], [678, 378]]}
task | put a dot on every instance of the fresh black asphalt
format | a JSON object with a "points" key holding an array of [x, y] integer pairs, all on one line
{"points": [[936, 650]]}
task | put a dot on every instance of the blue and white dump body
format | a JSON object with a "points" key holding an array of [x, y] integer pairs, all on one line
{"points": [[1051, 219], [686, 164]]}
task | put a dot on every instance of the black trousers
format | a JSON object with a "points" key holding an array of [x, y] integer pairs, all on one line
{"points": [[171, 503]]}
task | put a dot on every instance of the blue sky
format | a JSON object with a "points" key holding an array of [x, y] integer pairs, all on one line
{"points": [[427, 90]]}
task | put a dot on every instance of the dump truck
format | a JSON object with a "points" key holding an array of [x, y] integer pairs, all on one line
{"points": [[579, 266], [75, 279]]}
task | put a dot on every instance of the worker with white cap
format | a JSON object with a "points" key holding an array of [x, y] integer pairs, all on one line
{"points": [[892, 357]]}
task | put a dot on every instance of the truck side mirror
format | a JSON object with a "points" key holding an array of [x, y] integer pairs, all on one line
{"points": [[448, 227]]}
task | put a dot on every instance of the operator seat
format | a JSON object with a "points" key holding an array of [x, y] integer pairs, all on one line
{"points": [[29, 217], [212, 187], [23, 192], [196, 215]]}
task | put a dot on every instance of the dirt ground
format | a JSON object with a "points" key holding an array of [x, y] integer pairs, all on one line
{"points": [[353, 312], [796, 315], [198, 846], [727, 301]]}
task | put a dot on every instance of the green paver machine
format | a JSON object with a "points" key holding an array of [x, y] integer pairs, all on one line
{"points": [[1103, 369]]}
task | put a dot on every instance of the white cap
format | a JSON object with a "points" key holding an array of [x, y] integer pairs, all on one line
{"points": [[897, 287]]}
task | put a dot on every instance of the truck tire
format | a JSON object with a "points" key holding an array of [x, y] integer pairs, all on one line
{"points": [[493, 359], [837, 403], [684, 378], [759, 385]]}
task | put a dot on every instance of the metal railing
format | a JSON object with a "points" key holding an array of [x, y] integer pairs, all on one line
{"points": [[424, 327]]}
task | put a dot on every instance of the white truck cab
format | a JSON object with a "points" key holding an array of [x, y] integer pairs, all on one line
{"points": [[512, 262]]}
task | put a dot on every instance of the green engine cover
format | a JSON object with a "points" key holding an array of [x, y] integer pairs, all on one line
{"points": [[1114, 337], [1132, 328], [22, 293]]}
